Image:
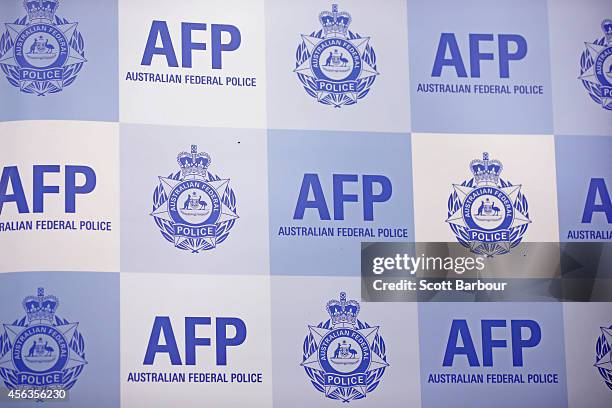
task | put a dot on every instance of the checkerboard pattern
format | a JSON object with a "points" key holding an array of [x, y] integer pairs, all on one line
{"points": [[185, 187]]}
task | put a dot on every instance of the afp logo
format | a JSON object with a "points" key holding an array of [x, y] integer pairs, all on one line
{"points": [[597, 208], [596, 67], [487, 214], [41, 350], [224, 39], [461, 343], [78, 181], [350, 193], [344, 357], [162, 326], [459, 72], [229, 335], [41, 53], [598, 200], [335, 65], [603, 355], [501, 359], [12, 191], [448, 46], [193, 208], [159, 33], [375, 189]]}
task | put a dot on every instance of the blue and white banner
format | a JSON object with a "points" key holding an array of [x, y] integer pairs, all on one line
{"points": [[188, 190]]}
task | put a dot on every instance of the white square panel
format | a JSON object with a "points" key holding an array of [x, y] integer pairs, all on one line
{"points": [[442, 160], [57, 231], [200, 89], [175, 298]]}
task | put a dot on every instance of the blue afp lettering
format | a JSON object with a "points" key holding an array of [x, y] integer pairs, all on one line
{"points": [[598, 192], [448, 44], [11, 178], [460, 329], [159, 31], [312, 184], [163, 325]]}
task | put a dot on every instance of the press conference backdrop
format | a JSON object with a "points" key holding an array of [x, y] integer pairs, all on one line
{"points": [[186, 185]]}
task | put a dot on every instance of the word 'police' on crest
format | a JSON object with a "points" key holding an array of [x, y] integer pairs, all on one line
{"points": [[596, 67], [335, 65], [344, 357], [41, 53], [193, 208], [486, 213], [41, 350]]}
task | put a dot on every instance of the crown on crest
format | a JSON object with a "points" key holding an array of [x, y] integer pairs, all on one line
{"points": [[194, 163], [606, 26], [343, 311], [334, 22], [41, 11], [40, 307], [486, 171]]}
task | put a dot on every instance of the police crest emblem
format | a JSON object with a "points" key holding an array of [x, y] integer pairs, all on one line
{"points": [[335, 65], [344, 357], [193, 208], [41, 53], [41, 350], [603, 355], [487, 214], [596, 67]]}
